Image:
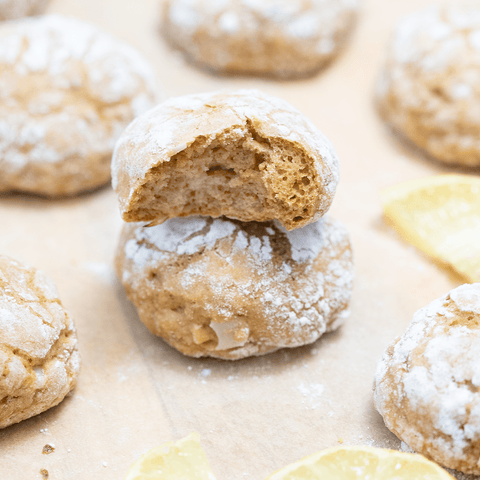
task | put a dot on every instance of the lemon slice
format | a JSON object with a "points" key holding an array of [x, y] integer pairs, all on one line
{"points": [[362, 463], [440, 216], [184, 460]]}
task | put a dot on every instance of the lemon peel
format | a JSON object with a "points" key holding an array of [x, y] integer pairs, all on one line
{"points": [[183, 460], [362, 463], [440, 215]]}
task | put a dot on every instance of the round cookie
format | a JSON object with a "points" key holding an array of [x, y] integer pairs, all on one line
{"points": [[278, 38], [67, 91], [429, 90], [427, 384], [242, 154], [39, 361], [228, 289], [12, 9]]}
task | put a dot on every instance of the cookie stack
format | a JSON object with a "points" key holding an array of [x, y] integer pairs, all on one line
{"points": [[228, 253]]}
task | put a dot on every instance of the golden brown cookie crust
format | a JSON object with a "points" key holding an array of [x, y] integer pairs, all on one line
{"points": [[228, 289], [39, 361], [429, 89], [242, 154], [427, 384], [277, 38], [67, 91], [13, 9]]}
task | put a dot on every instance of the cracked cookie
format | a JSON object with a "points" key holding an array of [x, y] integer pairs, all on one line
{"points": [[230, 289], [276, 38], [12, 9], [67, 91], [429, 90], [242, 154], [39, 361], [427, 384]]}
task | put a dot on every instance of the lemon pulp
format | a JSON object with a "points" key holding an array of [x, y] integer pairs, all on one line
{"points": [[362, 463], [183, 460], [441, 216]]}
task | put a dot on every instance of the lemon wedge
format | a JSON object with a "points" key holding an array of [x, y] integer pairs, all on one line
{"points": [[362, 463], [441, 216], [183, 460]]}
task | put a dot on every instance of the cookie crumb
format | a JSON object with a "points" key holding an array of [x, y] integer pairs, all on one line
{"points": [[48, 449], [44, 473], [340, 441]]}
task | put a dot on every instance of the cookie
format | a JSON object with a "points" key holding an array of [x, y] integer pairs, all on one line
{"points": [[229, 289], [427, 384], [67, 91], [276, 38], [429, 90], [12, 9], [39, 361], [242, 154]]}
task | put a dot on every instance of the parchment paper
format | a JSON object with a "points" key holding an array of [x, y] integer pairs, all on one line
{"points": [[255, 415]]}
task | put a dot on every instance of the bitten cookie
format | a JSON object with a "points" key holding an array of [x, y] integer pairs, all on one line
{"points": [[228, 289], [278, 38], [39, 362], [429, 90], [243, 154], [12, 9], [427, 385], [67, 91]]}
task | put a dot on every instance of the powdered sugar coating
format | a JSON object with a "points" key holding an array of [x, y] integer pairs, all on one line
{"points": [[223, 288], [59, 74], [283, 38], [39, 362], [429, 89], [171, 127], [427, 385], [12, 9]]}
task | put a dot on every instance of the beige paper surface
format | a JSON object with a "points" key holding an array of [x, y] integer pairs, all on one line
{"points": [[254, 415]]}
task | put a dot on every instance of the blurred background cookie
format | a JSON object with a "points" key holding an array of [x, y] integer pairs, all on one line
{"points": [[12, 9], [228, 289], [242, 154], [67, 90], [39, 361], [427, 384], [429, 90], [277, 38]]}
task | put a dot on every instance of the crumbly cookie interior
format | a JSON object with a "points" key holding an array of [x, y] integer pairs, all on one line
{"points": [[236, 173]]}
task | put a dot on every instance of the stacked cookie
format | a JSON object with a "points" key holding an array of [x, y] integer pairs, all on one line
{"points": [[229, 255]]}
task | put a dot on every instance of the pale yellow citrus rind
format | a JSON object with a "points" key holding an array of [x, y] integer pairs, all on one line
{"points": [[362, 463], [441, 216], [183, 460]]}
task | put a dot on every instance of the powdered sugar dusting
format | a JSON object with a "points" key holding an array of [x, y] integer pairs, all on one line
{"points": [[82, 77], [296, 19], [156, 136], [429, 89], [434, 371], [234, 265]]}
